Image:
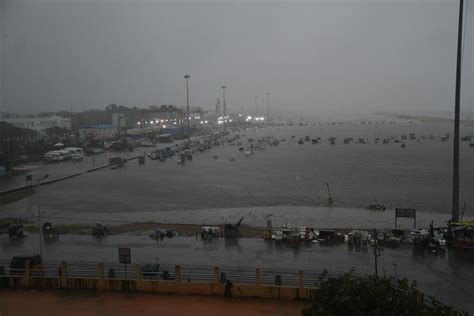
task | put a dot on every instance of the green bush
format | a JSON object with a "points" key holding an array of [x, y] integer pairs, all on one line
{"points": [[349, 294]]}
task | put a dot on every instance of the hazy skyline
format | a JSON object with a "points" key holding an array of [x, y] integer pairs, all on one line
{"points": [[312, 57]]}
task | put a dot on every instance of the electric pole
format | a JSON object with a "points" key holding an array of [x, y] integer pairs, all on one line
{"points": [[187, 76]]}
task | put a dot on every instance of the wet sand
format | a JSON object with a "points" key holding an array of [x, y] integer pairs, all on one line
{"points": [[71, 303], [181, 229]]}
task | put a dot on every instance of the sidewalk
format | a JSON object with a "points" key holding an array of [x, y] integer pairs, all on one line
{"points": [[71, 303]]}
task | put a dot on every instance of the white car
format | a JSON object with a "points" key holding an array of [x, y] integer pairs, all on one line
{"points": [[52, 157]]}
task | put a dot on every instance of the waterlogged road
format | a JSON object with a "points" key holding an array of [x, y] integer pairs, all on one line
{"points": [[449, 277]]}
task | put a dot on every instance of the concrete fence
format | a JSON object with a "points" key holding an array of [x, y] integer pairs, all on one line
{"points": [[180, 280]]}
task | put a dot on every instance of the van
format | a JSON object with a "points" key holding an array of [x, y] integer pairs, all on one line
{"points": [[64, 153], [52, 157], [75, 151]]}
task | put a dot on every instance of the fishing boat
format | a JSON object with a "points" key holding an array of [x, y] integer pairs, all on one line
{"points": [[376, 207], [146, 143], [295, 237], [461, 234], [420, 237], [277, 235], [437, 241]]}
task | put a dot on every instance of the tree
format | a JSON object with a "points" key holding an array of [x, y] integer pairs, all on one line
{"points": [[111, 108], [353, 295]]}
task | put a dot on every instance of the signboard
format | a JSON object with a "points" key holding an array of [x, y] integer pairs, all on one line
{"points": [[125, 255], [3, 171], [405, 213]]}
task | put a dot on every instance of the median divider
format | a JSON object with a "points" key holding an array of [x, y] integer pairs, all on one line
{"points": [[98, 168]]}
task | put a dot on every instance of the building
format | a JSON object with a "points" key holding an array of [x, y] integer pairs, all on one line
{"points": [[39, 123], [118, 120], [99, 132], [165, 115]]}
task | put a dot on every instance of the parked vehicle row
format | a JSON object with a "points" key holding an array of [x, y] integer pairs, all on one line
{"points": [[68, 153]]}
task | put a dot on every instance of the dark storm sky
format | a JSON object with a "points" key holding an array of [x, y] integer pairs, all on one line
{"points": [[313, 57]]}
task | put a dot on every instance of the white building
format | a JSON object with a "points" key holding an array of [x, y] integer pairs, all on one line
{"points": [[39, 123], [118, 120]]}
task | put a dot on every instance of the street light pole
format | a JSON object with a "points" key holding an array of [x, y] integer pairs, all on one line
{"points": [[256, 106], [39, 216], [457, 111], [223, 105], [187, 76], [268, 106]]}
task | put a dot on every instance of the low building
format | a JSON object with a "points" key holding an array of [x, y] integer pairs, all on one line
{"points": [[165, 115], [101, 132], [118, 120], [39, 123]]}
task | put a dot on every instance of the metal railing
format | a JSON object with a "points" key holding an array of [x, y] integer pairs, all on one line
{"points": [[166, 272]]}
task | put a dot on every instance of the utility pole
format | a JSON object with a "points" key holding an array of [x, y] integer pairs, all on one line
{"points": [[256, 106], [218, 107], [268, 106], [457, 110], [376, 252], [224, 105], [39, 220], [330, 199], [187, 76]]}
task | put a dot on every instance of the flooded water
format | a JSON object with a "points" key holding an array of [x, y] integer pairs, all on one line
{"points": [[448, 277], [285, 184], [287, 181]]}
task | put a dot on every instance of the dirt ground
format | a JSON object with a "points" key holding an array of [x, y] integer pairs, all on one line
{"points": [[71, 303]]}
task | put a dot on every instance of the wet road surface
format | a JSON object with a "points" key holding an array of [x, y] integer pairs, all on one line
{"points": [[449, 277]]}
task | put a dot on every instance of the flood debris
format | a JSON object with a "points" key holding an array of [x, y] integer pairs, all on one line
{"points": [[232, 231]]}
